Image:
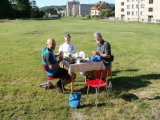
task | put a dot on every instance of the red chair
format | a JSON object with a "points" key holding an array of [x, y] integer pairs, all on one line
{"points": [[47, 77], [100, 81]]}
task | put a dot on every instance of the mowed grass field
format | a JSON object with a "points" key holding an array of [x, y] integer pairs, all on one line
{"points": [[136, 70]]}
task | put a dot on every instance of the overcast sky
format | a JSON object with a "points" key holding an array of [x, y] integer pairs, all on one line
{"points": [[41, 3]]}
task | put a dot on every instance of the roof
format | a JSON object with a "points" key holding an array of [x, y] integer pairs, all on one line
{"points": [[100, 5]]}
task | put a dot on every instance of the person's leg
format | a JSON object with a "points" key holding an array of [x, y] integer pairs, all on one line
{"points": [[68, 80], [64, 76]]}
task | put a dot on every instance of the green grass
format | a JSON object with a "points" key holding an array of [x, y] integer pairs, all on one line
{"points": [[136, 70]]}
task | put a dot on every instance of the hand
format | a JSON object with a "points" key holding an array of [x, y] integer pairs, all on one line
{"points": [[61, 56], [95, 53], [60, 53]]}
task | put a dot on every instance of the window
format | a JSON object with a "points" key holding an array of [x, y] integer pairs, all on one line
{"points": [[141, 13], [122, 10], [128, 13], [137, 6], [150, 1], [132, 6], [150, 9], [122, 3], [128, 6], [127, 0], [150, 18], [142, 5], [132, 13]]}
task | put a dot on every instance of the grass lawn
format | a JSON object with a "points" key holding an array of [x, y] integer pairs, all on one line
{"points": [[136, 70]]}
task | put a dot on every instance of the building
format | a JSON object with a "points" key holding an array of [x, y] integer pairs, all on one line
{"points": [[85, 9], [74, 8], [138, 10], [52, 15], [98, 7]]}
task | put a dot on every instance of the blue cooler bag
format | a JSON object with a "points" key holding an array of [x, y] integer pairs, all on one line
{"points": [[96, 58], [74, 99]]}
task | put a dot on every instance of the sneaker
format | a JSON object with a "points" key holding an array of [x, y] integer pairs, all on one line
{"points": [[64, 89], [59, 87]]}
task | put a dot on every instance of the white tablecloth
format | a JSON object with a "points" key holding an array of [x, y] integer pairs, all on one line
{"points": [[82, 67]]}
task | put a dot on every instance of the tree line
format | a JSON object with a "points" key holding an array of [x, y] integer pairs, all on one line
{"points": [[21, 9]]}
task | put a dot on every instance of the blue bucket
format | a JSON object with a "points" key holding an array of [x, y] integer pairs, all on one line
{"points": [[74, 99]]}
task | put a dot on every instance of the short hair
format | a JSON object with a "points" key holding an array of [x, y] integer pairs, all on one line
{"points": [[67, 36], [97, 34], [50, 40]]}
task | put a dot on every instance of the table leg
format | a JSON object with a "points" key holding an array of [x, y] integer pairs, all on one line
{"points": [[72, 86]]}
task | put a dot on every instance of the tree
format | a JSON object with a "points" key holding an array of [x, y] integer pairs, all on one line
{"points": [[104, 14], [51, 10], [24, 8], [36, 13], [5, 9]]}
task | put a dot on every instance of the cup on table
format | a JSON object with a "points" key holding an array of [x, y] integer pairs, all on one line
{"points": [[78, 59]]}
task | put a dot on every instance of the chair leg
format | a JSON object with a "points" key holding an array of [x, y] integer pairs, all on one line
{"points": [[96, 97], [98, 89], [87, 90], [110, 87], [106, 89]]}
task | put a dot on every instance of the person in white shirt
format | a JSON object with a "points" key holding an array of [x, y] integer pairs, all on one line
{"points": [[67, 48]]}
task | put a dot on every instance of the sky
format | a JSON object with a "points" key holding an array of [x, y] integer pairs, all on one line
{"points": [[41, 3]]}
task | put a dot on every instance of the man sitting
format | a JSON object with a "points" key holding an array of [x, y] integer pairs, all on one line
{"points": [[53, 69]]}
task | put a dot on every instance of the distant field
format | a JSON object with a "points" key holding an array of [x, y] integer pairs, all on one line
{"points": [[136, 70]]}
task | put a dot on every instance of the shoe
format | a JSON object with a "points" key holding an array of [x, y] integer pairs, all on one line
{"points": [[59, 87], [64, 89]]}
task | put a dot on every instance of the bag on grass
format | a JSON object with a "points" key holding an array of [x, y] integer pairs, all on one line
{"points": [[47, 85], [74, 99]]}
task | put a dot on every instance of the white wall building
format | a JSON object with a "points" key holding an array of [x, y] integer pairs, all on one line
{"points": [[138, 10]]}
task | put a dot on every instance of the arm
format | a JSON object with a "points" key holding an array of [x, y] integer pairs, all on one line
{"points": [[51, 61], [59, 53], [106, 53], [100, 54], [54, 65]]}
